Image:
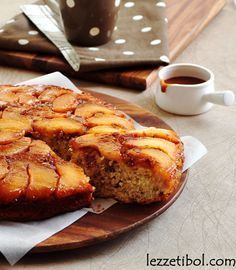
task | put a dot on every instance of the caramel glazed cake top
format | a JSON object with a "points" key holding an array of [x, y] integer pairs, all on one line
{"points": [[29, 168]]}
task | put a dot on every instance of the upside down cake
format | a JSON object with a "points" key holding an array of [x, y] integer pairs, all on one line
{"points": [[57, 145]]}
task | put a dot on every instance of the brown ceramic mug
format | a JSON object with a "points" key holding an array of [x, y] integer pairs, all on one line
{"points": [[89, 23]]}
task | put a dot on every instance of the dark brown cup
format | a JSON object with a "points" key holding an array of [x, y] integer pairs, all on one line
{"points": [[89, 23]]}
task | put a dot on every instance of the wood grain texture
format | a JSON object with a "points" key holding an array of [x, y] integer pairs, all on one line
{"points": [[187, 18], [120, 218]]}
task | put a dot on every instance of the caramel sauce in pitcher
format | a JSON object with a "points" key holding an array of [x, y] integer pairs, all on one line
{"points": [[179, 80]]}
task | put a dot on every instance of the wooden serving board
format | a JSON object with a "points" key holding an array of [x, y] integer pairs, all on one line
{"points": [[119, 218], [187, 18]]}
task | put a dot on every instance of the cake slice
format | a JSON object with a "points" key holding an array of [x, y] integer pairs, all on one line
{"points": [[36, 184], [131, 166]]}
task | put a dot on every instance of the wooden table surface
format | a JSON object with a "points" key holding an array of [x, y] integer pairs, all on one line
{"points": [[203, 219]]}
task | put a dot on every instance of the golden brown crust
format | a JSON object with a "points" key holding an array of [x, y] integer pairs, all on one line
{"points": [[158, 152], [35, 183], [31, 174], [39, 102], [38, 210]]}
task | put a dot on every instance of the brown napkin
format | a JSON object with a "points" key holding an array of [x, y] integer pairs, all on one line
{"points": [[139, 38]]}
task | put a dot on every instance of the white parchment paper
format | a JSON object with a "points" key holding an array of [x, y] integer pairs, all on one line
{"points": [[16, 239]]}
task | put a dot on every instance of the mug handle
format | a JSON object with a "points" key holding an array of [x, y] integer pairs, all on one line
{"points": [[225, 98]]}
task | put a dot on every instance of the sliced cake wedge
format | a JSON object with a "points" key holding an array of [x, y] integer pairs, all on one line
{"points": [[131, 166]]}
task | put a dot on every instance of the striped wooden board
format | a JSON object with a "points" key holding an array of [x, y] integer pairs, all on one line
{"points": [[187, 18], [119, 218]]}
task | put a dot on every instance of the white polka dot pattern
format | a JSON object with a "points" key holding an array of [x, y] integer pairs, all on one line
{"points": [[165, 59], [128, 53], [129, 4], [137, 17], [161, 4], [117, 3], [155, 42], [33, 33], [100, 59], [23, 41], [94, 49], [10, 21], [70, 3], [146, 29], [94, 31], [120, 41]]}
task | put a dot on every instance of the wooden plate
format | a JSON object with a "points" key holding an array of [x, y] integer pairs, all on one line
{"points": [[120, 218]]}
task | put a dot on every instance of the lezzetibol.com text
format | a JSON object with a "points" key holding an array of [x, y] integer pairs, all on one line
{"points": [[187, 260]]}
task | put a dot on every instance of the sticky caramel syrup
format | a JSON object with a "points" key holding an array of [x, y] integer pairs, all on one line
{"points": [[179, 80]]}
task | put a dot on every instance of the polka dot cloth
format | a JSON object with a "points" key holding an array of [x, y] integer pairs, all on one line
{"points": [[23, 41], [155, 42], [146, 29], [137, 17], [161, 4], [128, 53], [10, 21], [139, 37], [70, 3], [94, 49], [99, 59], [120, 41], [94, 31], [165, 59], [33, 33], [129, 4]]}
